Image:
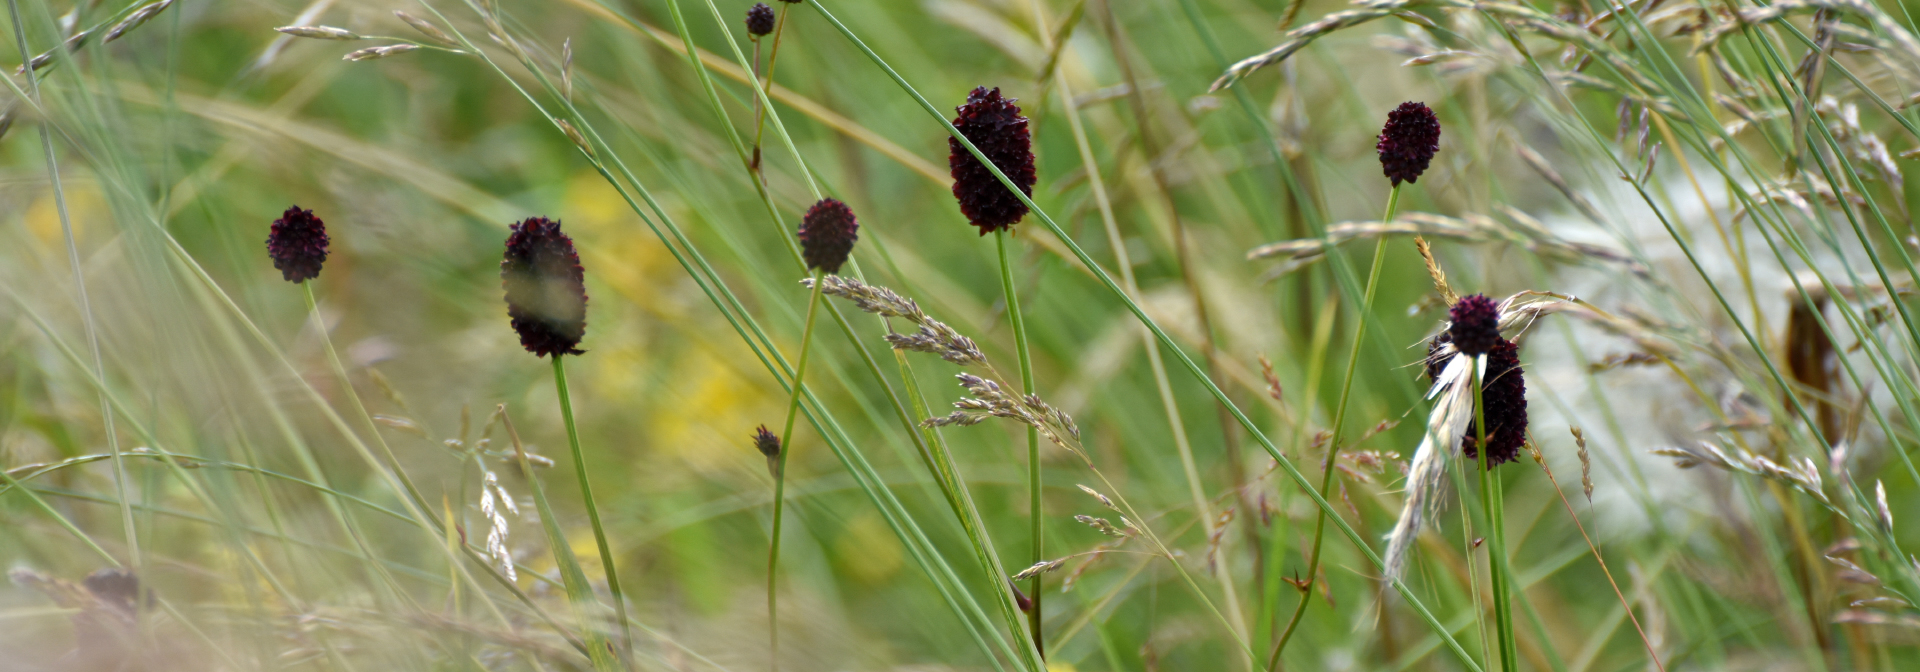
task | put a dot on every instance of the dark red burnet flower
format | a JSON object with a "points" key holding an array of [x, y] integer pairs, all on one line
{"points": [[994, 125], [1476, 324], [759, 19], [546, 288], [827, 234], [298, 244], [1504, 401], [1408, 142], [766, 442]]}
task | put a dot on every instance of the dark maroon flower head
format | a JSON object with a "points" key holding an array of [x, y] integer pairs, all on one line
{"points": [[298, 244], [546, 288], [1476, 324], [768, 444], [759, 19], [1505, 400], [1408, 142], [827, 235], [994, 125]]}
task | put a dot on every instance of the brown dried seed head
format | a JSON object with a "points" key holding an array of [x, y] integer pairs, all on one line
{"points": [[320, 32]]}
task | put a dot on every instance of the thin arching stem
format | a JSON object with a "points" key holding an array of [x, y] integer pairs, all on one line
{"points": [[1339, 421], [780, 476], [593, 510]]}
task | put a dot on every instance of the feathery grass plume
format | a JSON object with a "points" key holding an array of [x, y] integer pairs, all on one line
{"points": [[827, 234], [759, 20], [426, 28], [320, 32], [546, 288], [1408, 142], [490, 489], [298, 244], [371, 53], [993, 124]]}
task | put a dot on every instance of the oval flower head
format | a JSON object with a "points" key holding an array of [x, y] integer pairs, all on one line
{"points": [[759, 20], [546, 288], [1408, 142], [298, 244], [994, 125], [827, 234]]}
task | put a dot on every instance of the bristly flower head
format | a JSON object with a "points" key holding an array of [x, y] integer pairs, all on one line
{"points": [[298, 244], [546, 288], [1476, 324], [759, 19], [1408, 142], [994, 125], [768, 444], [1505, 398], [827, 234]]}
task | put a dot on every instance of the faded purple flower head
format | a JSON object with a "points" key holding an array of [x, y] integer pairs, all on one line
{"points": [[298, 244], [827, 234], [1476, 324], [766, 442], [1408, 142], [759, 19], [994, 125], [1505, 400], [546, 288]]}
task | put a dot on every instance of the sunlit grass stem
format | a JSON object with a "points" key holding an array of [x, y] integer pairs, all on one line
{"points": [[593, 509], [1019, 324], [1491, 499], [1339, 423], [780, 475]]}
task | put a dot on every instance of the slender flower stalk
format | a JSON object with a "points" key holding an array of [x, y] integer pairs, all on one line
{"points": [[773, 55], [994, 124], [1406, 145], [546, 297], [1339, 423], [827, 234], [1033, 438]]}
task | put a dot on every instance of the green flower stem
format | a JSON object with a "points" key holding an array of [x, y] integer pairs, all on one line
{"points": [[593, 510], [1019, 323], [1339, 422], [1491, 499], [780, 475]]}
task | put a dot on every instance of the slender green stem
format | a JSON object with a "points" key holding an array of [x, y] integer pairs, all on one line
{"points": [[780, 475], [1491, 500], [1339, 422], [80, 287], [593, 510], [1033, 437]]}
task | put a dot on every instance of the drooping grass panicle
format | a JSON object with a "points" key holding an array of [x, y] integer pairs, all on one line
{"points": [[932, 336]]}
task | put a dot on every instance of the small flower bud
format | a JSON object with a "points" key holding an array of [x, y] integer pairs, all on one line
{"points": [[1476, 324]]}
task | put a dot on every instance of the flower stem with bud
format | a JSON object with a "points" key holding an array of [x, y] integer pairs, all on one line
{"points": [[1339, 422], [780, 473]]}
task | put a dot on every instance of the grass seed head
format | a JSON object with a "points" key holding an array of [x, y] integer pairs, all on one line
{"points": [[546, 288], [827, 235], [298, 244], [994, 125], [759, 20], [1408, 142]]}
